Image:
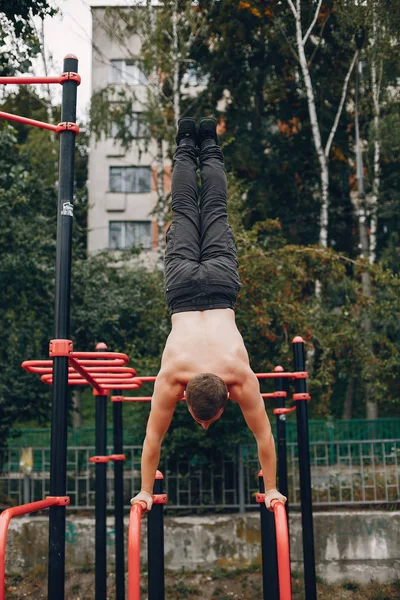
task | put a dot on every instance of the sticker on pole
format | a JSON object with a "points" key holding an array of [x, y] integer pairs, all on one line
{"points": [[67, 209]]}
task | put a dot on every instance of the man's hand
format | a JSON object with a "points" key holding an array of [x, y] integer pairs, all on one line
{"points": [[271, 496], [143, 497]]}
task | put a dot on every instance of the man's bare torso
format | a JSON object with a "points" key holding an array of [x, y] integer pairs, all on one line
{"points": [[205, 342]]}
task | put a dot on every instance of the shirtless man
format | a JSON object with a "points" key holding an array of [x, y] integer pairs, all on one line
{"points": [[205, 356]]}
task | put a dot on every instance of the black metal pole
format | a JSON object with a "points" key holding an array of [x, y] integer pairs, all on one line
{"points": [[155, 545], [281, 439], [58, 455], [305, 473], [119, 502], [101, 499], [268, 549]]}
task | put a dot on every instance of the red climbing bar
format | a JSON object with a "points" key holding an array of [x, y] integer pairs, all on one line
{"points": [[26, 121], [57, 128], [283, 551], [33, 80], [17, 511], [282, 547], [134, 551]]}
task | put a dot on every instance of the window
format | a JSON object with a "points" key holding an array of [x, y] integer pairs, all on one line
{"points": [[127, 71], [127, 234], [133, 124], [131, 180]]}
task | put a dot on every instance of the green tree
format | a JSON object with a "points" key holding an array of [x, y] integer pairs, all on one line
{"points": [[28, 201], [18, 40]]}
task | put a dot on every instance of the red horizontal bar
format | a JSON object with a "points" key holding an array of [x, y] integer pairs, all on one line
{"points": [[275, 395], [284, 411], [16, 511], [277, 375], [99, 459], [302, 396], [33, 80], [26, 121], [134, 398]]}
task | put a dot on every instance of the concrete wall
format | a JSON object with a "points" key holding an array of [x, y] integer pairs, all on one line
{"points": [[356, 546]]}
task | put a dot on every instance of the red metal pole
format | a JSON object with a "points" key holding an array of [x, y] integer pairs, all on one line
{"points": [[134, 551], [282, 546], [16, 511]]}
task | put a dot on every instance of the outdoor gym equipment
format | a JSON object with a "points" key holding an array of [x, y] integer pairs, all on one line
{"points": [[107, 371], [274, 526], [155, 545], [67, 130]]}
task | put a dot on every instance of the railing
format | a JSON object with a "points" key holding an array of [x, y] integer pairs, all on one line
{"points": [[17, 511], [328, 431], [343, 473]]}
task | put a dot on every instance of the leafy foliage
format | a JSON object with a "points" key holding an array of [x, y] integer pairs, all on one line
{"points": [[18, 39]]}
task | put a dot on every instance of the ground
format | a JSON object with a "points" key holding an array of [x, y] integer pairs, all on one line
{"points": [[217, 584]]}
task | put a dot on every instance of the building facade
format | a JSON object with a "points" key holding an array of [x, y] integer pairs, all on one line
{"points": [[122, 185]]}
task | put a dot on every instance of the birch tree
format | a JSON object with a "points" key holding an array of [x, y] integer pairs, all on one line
{"points": [[302, 36]]}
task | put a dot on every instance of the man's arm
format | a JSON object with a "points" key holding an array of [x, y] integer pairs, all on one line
{"points": [[166, 393], [248, 396]]}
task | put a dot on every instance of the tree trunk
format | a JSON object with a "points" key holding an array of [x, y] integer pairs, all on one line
{"points": [[324, 175], [349, 399], [175, 57], [160, 203], [76, 408]]}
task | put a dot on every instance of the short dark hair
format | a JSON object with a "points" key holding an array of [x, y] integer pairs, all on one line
{"points": [[206, 394]]}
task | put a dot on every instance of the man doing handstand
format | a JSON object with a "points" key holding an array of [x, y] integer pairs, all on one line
{"points": [[205, 356]]}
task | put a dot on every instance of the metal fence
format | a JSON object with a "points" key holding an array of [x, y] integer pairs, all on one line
{"points": [[329, 430], [343, 473]]}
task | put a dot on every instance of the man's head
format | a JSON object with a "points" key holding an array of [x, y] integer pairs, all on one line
{"points": [[206, 397]]}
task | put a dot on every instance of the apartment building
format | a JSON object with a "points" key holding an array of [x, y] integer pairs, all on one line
{"points": [[122, 184]]}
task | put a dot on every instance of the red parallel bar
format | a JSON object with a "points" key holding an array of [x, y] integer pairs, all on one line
{"points": [[295, 375], [110, 355], [85, 374], [130, 398], [258, 375], [45, 366], [26, 121], [16, 511], [134, 551], [104, 382], [282, 546]]}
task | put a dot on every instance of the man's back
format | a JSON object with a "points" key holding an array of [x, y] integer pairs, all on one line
{"points": [[205, 342]]}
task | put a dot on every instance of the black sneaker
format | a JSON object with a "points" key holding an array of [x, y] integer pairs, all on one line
{"points": [[207, 131], [187, 131]]}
